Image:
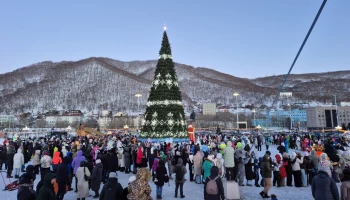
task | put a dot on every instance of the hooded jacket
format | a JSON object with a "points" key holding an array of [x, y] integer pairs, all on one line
{"points": [[25, 190], [180, 171], [221, 194], [112, 190], [229, 153], [36, 158], [296, 162], [77, 160], [18, 159], [96, 177], [323, 187], [140, 189], [266, 170], [45, 161], [47, 192]]}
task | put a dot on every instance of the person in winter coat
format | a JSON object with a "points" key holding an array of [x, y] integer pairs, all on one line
{"points": [[214, 175], [240, 167], [197, 162], [96, 178], [140, 189], [127, 158], [36, 161], [112, 190], [283, 170], [160, 178], [219, 162], [62, 178], [76, 164], [18, 161], [229, 161], [30, 170], [47, 192], [10, 155], [83, 185], [276, 171], [64, 151], [345, 185], [266, 172], [207, 165], [3, 156], [180, 172], [25, 190], [323, 186], [296, 161], [45, 162], [113, 161], [56, 160]]}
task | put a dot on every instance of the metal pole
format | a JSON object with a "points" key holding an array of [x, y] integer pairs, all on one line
{"points": [[237, 111], [336, 108], [254, 118], [290, 108]]}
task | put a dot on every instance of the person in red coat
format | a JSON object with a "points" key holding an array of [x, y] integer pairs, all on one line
{"points": [[283, 172]]}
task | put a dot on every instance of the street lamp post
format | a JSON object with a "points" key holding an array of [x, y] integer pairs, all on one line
{"points": [[290, 115], [254, 117], [236, 95], [336, 109], [138, 101]]}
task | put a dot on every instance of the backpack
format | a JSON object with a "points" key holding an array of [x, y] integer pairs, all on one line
{"points": [[179, 173], [212, 187]]}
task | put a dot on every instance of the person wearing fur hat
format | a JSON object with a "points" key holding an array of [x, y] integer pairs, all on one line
{"points": [[96, 178], [323, 186], [345, 185]]}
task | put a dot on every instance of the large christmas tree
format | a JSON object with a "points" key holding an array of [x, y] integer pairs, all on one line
{"points": [[165, 117]]}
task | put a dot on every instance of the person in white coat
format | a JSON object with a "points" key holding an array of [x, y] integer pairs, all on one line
{"points": [[18, 161], [64, 151], [45, 162], [83, 185]]}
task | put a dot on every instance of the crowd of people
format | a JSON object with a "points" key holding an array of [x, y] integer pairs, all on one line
{"points": [[209, 160]]}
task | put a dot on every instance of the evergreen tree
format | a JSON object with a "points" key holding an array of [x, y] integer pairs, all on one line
{"points": [[165, 117]]}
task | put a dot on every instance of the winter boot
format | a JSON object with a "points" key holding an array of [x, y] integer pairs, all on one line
{"points": [[262, 194]]}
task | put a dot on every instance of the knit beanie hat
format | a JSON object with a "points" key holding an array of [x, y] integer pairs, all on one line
{"points": [[324, 167], [306, 153], [98, 161]]}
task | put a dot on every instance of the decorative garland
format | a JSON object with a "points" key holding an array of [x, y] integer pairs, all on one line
{"points": [[165, 56], [165, 103]]}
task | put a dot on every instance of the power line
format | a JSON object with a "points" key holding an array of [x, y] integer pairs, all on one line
{"points": [[300, 49]]}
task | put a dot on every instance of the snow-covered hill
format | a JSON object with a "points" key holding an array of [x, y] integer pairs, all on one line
{"points": [[95, 83]]}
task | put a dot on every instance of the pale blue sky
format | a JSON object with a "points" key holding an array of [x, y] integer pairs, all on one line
{"points": [[243, 38]]}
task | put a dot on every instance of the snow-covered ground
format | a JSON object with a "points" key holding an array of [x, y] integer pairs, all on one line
{"points": [[194, 191]]}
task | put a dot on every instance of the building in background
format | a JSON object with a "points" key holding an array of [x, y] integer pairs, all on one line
{"points": [[326, 117], [286, 94], [343, 103], [295, 118], [6, 120], [52, 120], [209, 109]]}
